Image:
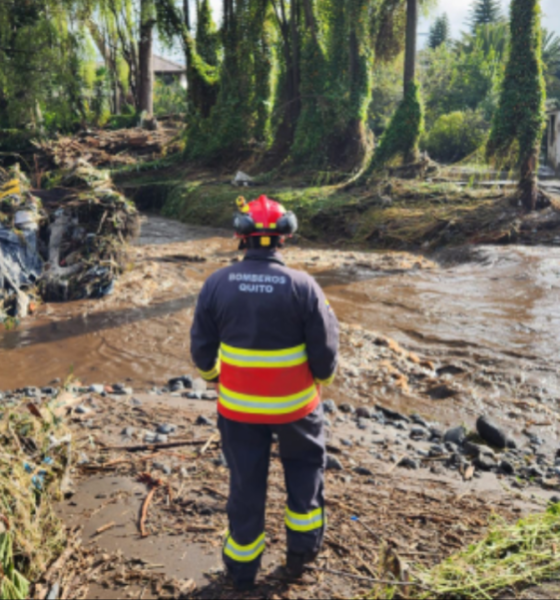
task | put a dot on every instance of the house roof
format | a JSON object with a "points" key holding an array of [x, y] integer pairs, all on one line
{"points": [[164, 65]]}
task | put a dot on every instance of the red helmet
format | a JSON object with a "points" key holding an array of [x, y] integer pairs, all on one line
{"points": [[263, 217]]}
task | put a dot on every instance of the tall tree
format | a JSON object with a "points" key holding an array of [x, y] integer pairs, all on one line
{"points": [[484, 12], [402, 137], [521, 112], [439, 32], [146, 56]]}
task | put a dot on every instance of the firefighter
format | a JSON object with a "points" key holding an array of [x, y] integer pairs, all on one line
{"points": [[268, 338]]}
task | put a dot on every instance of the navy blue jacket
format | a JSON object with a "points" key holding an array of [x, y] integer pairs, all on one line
{"points": [[260, 304]]}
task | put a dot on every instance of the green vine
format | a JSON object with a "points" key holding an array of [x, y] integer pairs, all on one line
{"points": [[520, 115]]}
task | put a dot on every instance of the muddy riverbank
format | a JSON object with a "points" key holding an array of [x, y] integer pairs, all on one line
{"points": [[477, 335]]}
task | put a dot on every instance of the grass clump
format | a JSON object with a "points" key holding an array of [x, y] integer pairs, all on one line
{"points": [[509, 558], [35, 454]]}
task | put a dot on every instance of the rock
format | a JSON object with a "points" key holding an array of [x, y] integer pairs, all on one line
{"points": [[31, 391], [161, 439], [48, 391], [364, 412], [391, 414], [166, 429], [554, 500], [136, 402], [507, 468], [199, 385], [535, 439], [163, 468], [118, 388], [491, 433], [361, 424], [347, 408], [150, 438], [408, 463], [193, 395], [436, 434], [83, 459], [346, 443], [437, 450], [363, 471], [441, 392], [511, 444], [202, 420], [400, 425], [456, 435], [82, 410], [128, 432], [422, 453], [212, 396], [451, 447], [333, 464], [471, 449], [329, 407], [327, 422], [419, 433], [418, 420], [484, 463], [177, 386]]}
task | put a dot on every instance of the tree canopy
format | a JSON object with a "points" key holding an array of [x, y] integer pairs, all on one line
{"points": [[439, 32]]}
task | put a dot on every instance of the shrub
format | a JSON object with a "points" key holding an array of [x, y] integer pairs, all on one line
{"points": [[456, 135]]}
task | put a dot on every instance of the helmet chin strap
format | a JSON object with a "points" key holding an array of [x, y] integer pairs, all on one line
{"points": [[253, 243]]}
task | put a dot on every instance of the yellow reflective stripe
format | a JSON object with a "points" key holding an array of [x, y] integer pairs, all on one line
{"points": [[268, 353], [258, 405], [244, 553], [326, 382], [275, 359], [210, 375], [305, 522]]}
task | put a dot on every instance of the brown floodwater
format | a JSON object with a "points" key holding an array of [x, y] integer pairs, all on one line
{"points": [[501, 307]]}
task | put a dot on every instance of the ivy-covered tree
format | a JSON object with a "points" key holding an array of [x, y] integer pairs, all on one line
{"points": [[520, 115], [484, 12], [402, 137], [439, 32]]}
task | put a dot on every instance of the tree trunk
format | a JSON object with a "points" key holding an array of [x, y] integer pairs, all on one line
{"points": [[187, 14], [411, 36], [146, 92], [410, 62], [528, 184]]}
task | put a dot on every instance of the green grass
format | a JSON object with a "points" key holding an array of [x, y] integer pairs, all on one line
{"points": [[510, 558]]}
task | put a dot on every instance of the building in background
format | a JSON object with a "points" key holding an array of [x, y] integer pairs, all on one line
{"points": [[169, 72]]}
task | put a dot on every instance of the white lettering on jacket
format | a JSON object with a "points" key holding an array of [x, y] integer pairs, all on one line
{"points": [[256, 289], [254, 278]]}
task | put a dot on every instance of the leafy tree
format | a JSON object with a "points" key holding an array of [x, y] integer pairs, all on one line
{"points": [[520, 115], [439, 32], [484, 12]]}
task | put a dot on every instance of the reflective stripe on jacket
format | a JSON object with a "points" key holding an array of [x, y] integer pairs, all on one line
{"points": [[268, 335]]}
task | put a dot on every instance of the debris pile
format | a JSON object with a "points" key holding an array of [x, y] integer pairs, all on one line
{"points": [[106, 148], [34, 471], [21, 215], [88, 232]]}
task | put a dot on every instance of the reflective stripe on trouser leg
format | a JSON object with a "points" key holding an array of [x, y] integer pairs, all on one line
{"points": [[303, 453], [247, 451], [244, 554], [306, 522]]}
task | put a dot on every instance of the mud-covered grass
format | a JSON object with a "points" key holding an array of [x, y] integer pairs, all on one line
{"points": [[392, 213]]}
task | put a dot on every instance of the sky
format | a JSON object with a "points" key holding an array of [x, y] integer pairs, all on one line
{"points": [[458, 11]]}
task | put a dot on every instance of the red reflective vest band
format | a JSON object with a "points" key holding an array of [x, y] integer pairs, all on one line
{"points": [[268, 387]]}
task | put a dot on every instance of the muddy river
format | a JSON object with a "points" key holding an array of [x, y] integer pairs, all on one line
{"points": [[499, 312]]}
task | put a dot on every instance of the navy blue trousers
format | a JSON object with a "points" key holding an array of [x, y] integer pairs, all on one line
{"points": [[246, 448]]}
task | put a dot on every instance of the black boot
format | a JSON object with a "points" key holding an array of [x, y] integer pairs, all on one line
{"points": [[295, 563]]}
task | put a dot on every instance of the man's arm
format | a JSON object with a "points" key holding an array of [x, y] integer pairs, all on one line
{"points": [[205, 339], [321, 335]]}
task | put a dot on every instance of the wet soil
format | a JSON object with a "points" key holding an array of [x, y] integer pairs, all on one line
{"points": [[467, 334], [477, 335]]}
